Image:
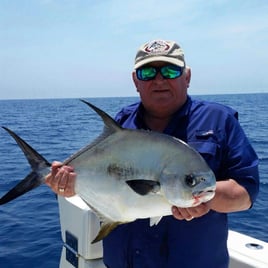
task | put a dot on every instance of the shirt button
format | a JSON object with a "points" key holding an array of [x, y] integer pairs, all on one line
{"points": [[137, 252]]}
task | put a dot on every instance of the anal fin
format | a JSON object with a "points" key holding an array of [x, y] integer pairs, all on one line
{"points": [[105, 229], [106, 225]]}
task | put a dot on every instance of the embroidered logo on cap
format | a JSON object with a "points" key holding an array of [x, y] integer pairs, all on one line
{"points": [[157, 47]]}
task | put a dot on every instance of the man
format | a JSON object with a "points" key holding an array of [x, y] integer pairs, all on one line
{"points": [[196, 236]]}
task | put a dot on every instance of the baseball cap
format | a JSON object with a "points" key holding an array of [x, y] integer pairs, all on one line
{"points": [[160, 50]]}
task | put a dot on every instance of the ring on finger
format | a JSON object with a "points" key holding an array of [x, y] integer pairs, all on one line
{"points": [[61, 190]]}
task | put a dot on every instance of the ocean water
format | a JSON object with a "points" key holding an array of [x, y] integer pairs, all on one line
{"points": [[29, 226]]}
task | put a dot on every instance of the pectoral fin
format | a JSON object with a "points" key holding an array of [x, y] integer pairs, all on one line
{"points": [[144, 187]]}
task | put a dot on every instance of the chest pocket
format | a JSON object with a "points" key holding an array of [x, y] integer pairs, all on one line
{"points": [[209, 144]]}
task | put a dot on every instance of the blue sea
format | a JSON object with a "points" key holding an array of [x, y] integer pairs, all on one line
{"points": [[29, 226]]}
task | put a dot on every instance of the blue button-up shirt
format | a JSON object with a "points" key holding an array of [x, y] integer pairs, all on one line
{"points": [[214, 131]]}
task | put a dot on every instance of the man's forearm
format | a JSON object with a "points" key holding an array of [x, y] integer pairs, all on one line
{"points": [[230, 197]]}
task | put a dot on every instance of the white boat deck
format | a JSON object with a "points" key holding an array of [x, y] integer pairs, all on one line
{"points": [[79, 226]]}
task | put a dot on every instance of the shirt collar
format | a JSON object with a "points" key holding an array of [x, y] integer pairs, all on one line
{"points": [[178, 115]]}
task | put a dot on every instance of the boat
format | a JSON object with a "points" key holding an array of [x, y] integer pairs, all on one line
{"points": [[79, 226]]}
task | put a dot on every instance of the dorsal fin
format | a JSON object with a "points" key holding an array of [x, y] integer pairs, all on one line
{"points": [[110, 124], [110, 127]]}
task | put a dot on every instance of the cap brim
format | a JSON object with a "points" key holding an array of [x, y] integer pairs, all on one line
{"points": [[174, 61]]}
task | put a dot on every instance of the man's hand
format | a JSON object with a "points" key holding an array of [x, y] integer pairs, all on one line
{"points": [[229, 197], [61, 179], [190, 213]]}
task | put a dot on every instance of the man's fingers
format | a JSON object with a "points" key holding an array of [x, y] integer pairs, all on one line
{"points": [[69, 186], [181, 213], [190, 213], [61, 179]]}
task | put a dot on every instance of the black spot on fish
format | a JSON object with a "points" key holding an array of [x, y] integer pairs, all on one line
{"points": [[121, 172], [144, 187]]}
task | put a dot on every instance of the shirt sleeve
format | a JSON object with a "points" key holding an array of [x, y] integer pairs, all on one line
{"points": [[241, 159]]}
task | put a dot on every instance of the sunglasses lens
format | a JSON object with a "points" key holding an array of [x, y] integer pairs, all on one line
{"points": [[171, 71], [168, 72], [146, 73]]}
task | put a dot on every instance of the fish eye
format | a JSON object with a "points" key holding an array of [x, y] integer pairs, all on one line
{"points": [[191, 180]]}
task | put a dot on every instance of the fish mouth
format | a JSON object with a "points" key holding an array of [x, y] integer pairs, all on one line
{"points": [[202, 196]]}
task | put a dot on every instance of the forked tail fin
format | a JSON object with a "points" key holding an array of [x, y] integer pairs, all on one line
{"points": [[40, 167]]}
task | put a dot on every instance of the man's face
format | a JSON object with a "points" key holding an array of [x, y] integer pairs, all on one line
{"points": [[161, 95]]}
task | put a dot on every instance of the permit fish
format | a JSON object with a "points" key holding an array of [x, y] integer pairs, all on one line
{"points": [[127, 174]]}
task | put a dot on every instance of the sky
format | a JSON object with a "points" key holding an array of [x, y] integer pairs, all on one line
{"points": [[86, 48]]}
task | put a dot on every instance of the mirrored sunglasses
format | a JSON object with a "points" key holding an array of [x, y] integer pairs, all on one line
{"points": [[146, 73]]}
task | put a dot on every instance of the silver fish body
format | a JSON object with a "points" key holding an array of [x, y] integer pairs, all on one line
{"points": [[128, 174], [140, 156]]}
